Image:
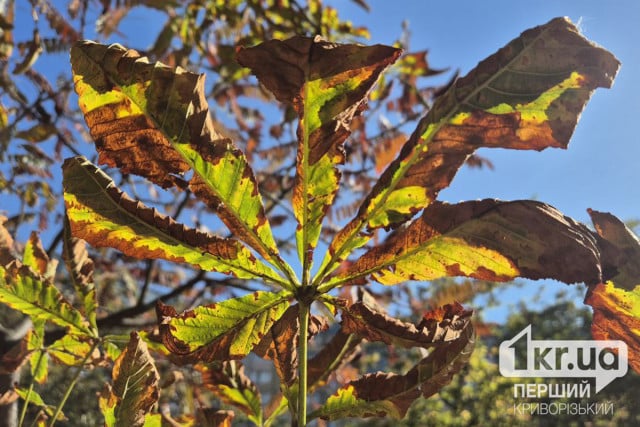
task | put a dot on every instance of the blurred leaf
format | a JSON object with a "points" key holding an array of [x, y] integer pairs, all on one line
{"points": [[7, 15], [230, 384], [34, 398], [80, 267], [71, 350], [37, 133]]}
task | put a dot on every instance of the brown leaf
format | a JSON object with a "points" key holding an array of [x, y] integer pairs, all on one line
{"points": [[340, 350], [388, 394], [373, 324], [616, 301], [528, 95], [280, 345], [208, 417], [154, 121], [620, 250], [135, 384], [488, 240]]}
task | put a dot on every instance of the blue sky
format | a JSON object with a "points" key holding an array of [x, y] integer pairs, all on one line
{"points": [[599, 168]]}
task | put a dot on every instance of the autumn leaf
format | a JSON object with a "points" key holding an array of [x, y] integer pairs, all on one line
{"points": [[528, 95], [221, 331], [231, 385], [280, 345], [373, 324], [488, 240], [80, 267], [154, 121], [71, 350], [616, 301], [21, 290], [35, 257], [103, 215], [332, 356], [391, 394], [327, 84], [135, 387]]}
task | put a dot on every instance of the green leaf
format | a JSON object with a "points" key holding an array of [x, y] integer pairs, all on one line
{"points": [[40, 300], [221, 331], [528, 95], [153, 121], [103, 215], [616, 301], [39, 360], [135, 387], [34, 398], [488, 240], [391, 395], [71, 350], [327, 84], [232, 386]]}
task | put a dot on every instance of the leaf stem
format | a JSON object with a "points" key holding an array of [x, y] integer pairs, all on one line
{"points": [[302, 367], [72, 385]]}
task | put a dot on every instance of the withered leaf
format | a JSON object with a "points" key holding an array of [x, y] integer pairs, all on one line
{"points": [[391, 394], [373, 324], [616, 301], [135, 386], [487, 239], [528, 95]]}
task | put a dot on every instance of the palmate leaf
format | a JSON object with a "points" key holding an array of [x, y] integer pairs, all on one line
{"points": [[391, 395], [232, 386], [616, 301], [221, 331], [153, 121], [528, 95], [135, 387], [103, 215], [488, 240], [327, 84]]}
